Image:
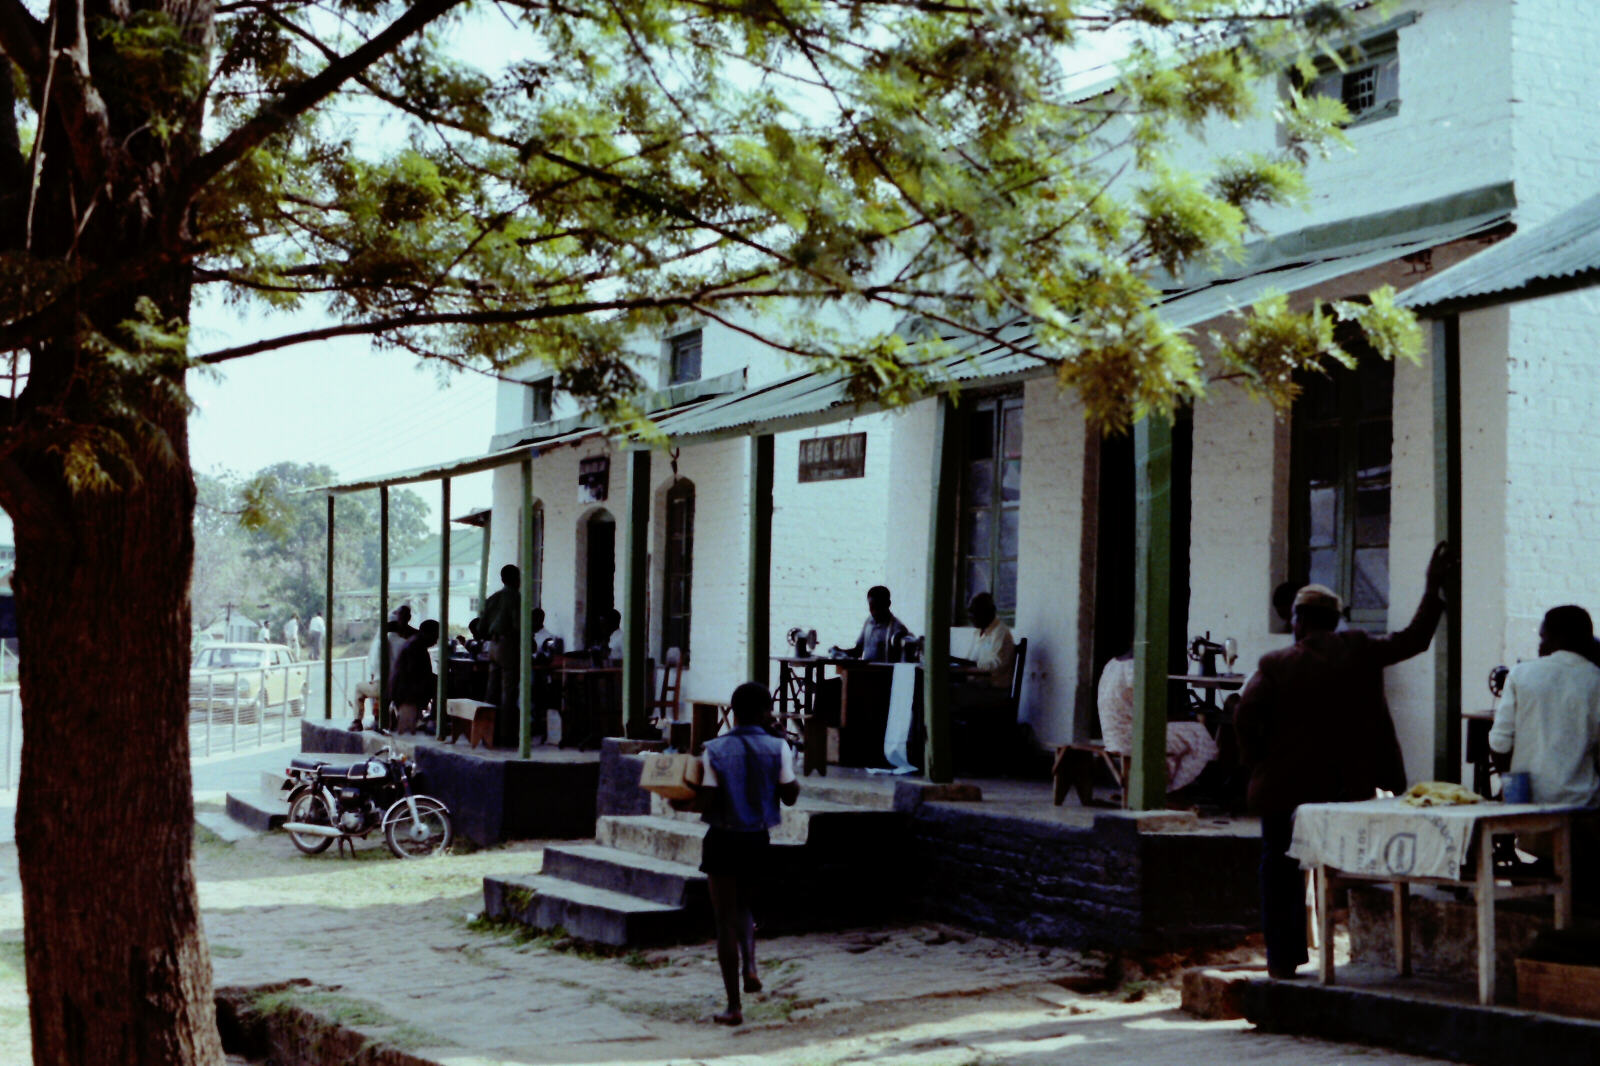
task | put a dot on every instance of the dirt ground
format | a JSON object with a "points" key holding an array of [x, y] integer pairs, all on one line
{"points": [[397, 950]]}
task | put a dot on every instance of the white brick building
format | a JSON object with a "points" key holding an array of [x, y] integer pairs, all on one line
{"points": [[1480, 115]]}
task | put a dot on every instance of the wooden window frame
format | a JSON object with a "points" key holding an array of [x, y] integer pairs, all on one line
{"points": [[1348, 420], [1001, 404], [677, 372], [676, 618]]}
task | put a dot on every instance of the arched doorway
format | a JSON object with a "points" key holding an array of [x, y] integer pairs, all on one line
{"points": [[598, 573]]}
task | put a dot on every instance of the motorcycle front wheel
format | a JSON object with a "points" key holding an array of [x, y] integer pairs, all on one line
{"points": [[311, 807], [429, 833]]}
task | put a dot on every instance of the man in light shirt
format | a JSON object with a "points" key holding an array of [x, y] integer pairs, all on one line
{"points": [[993, 648], [1548, 718]]}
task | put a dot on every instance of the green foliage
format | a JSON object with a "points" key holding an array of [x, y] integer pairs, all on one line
{"points": [[872, 188], [262, 539]]}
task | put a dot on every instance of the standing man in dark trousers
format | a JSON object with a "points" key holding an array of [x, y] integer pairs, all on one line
{"points": [[502, 621], [745, 773], [1314, 727]]}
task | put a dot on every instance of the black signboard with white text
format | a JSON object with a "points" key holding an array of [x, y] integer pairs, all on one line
{"points": [[833, 458]]}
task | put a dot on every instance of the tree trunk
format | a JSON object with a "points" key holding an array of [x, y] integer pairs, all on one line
{"points": [[117, 964]]}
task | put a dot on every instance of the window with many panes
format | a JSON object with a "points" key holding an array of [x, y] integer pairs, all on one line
{"points": [[684, 358], [991, 502], [1366, 79], [1340, 469], [679, 571]]}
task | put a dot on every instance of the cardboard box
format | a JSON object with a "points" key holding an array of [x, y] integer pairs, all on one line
{"points": [[670, 776], [1557, 988]]}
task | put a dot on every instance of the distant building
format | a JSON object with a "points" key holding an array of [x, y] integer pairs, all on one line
{"points": [[414, 580]]}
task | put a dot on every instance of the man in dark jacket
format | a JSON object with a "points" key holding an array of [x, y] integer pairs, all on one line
{"points": [[1314, 727], [414, 680]]}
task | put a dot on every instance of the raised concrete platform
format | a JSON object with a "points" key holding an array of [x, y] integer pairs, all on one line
{"points": [[1415, 1015], [493, 794]]}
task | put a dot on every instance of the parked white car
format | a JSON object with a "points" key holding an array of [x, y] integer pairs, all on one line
{"points": [[252, 677]]}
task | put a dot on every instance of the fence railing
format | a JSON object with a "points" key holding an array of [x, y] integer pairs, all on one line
{"points": [[229, 710]]}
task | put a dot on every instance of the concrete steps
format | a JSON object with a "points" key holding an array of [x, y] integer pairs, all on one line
{"points": [[263, 810], [835, 861], [674, 884], [669, 839], [586, 912]]}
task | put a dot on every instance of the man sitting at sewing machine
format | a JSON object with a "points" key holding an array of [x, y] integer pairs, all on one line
{"points": [[882, 635]]}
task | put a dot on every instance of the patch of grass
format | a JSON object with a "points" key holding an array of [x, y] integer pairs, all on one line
{"points": [[411, 1038], [226, 951], [341, 1010], [1134, 991], [13, 956], [773, 1009], [640, 961], [205, 838], [663, 1011], [557, 940]]}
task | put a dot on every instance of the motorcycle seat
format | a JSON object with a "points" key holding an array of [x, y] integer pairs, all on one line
{"points": [[302, 762]]}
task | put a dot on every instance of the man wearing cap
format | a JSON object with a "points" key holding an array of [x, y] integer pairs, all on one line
{"points": [[1314, 727]]}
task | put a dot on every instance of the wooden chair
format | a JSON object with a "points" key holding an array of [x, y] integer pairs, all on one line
{"points": [[665, 707], [986, 737]]}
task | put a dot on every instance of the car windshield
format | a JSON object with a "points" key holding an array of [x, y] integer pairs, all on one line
{"points": [[228, 658]]}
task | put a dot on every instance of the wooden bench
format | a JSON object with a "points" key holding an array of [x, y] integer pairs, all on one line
{"points": [[1074, 765], [474, 719]]}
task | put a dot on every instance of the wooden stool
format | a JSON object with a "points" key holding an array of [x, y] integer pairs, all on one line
{"points": [[1073, 769], [474, 719]]}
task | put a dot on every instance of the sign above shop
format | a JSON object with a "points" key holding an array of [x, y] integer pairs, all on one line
{"points": [[833, 458]]}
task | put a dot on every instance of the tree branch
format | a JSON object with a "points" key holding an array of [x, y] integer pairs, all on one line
{"points": [[276, 116], [22, 40]]}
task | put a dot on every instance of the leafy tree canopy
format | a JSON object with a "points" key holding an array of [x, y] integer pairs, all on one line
{"points": [[262, 539], [633, 162]]}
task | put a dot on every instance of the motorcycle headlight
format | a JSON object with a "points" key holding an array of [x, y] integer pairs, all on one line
{"points": [[375, 770]]}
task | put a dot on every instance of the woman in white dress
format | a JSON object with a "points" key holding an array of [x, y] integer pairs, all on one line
{"points": [[1189, 745]]}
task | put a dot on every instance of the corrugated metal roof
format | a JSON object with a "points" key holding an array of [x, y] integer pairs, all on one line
{"points": [[1561, 255], [1290, 263]]}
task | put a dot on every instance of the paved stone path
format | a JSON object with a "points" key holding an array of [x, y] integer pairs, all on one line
{"points": [[393, 940]]}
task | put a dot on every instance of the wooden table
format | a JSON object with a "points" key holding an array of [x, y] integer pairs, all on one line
{"points": [[1382, 857], [591, 703], [795, 701]]}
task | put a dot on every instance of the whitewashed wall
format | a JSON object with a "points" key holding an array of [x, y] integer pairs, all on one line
{"points": [[1049, 571]]}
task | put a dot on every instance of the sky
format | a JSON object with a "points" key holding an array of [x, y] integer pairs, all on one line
{"points": [[337, 402]]}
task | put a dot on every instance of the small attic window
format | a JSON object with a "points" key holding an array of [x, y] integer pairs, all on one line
{"points": [[537, 401], [683, 358], [1369, 83]]}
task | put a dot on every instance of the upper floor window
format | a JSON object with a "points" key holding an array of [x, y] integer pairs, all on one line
{"points": [[683, 358], [537, 401], [1368, 84], [1340, 472]]}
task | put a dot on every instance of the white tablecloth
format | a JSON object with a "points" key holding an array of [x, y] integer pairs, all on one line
{"points": [[1381, 837]]}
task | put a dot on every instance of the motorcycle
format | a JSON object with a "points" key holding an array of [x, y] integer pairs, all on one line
{"points": [[328, 803]]}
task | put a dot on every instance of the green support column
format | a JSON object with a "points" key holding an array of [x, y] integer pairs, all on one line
{"points": [[525, 598], [635, 596], [939, 757], [483, 561], [758, 617], [1152, 590], [444, 608], [327, 622], [1447, 526], [383, 605]]}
